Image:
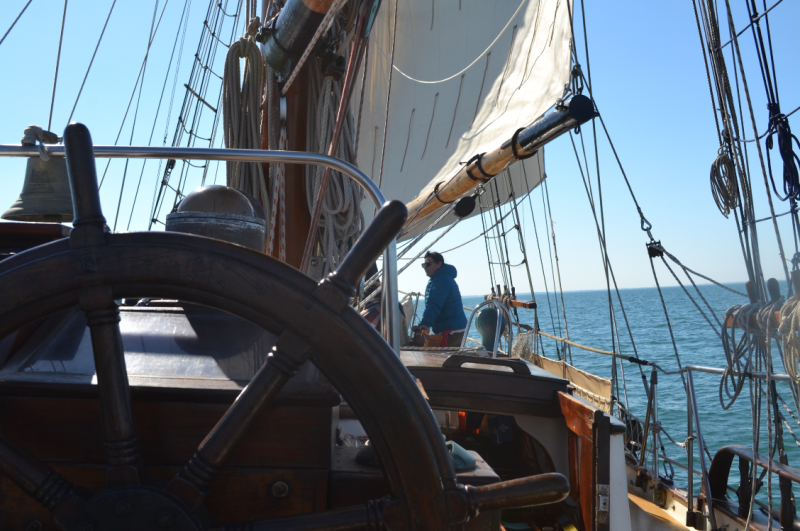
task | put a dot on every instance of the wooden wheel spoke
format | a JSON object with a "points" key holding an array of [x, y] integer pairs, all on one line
{"points": [[41, 482], [122, 447], [102, 313], [193, 482]]}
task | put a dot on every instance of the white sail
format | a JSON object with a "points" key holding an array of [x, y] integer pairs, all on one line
{"points": [[467, 74]]}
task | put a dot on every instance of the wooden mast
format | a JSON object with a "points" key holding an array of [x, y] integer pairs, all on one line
{"points": [[298, 219]]}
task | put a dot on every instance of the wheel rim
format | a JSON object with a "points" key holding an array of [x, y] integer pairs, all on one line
{"points": [[274, 296]]}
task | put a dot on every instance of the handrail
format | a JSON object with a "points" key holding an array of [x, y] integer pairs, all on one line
{"points": [[254, 155], [516, 364], [780, 377], [724, 458], [701, 445], [720, 470], [498, 305]]}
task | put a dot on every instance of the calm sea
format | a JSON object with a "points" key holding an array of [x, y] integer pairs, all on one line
{"points": [[587, 318]]}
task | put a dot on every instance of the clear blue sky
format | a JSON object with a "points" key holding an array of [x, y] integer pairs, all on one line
{"points": [[649, 83]]}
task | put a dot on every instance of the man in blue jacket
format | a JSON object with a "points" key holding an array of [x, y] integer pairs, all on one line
{"points": [[444, 311]]}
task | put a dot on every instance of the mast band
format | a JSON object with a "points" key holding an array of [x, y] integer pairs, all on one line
{"points": [[436, 193], [477, 160], [515, 141]]}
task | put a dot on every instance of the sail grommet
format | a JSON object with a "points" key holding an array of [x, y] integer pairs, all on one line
{"points": [[515, 141]]}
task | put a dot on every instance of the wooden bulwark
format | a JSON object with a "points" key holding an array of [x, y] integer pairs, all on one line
{"points": [[589, 459]]}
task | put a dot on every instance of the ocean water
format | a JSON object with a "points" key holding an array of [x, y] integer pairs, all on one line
{"points": [[588, 322]]}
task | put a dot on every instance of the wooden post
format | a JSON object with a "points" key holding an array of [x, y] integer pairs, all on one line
{"points": [[298, 218], [589, 460]]}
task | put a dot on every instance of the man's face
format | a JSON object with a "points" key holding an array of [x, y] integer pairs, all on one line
{"points": [[431, 267]]}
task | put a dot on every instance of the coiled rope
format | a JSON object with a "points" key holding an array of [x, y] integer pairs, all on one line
{"points": [[242, 116], [724, 186], [790, 341], [341, 221]]}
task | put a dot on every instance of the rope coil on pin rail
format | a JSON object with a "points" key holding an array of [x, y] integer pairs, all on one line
{"points": [[515, 141]]}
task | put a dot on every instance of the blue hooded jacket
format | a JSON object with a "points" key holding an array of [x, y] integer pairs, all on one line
{"points": [[443, 307]]}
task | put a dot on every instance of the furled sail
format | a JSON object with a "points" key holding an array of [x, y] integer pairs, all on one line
{"points": [[467, 74]]}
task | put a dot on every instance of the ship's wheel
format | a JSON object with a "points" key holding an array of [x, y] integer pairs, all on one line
{"points": [[93, 267]]}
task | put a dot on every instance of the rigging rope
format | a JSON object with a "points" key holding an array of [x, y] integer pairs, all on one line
{"points": [[192, 113], [724, 187], [135, 117], [58, 63], [790, 341], [779, 125], [135, 86], [15, 21], [91, 62]]}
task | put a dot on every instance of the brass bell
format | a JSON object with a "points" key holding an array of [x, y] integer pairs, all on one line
{"points": [[45, 194]]}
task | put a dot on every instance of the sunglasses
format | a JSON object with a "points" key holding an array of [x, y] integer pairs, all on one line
{"points": [[426, 265]]}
